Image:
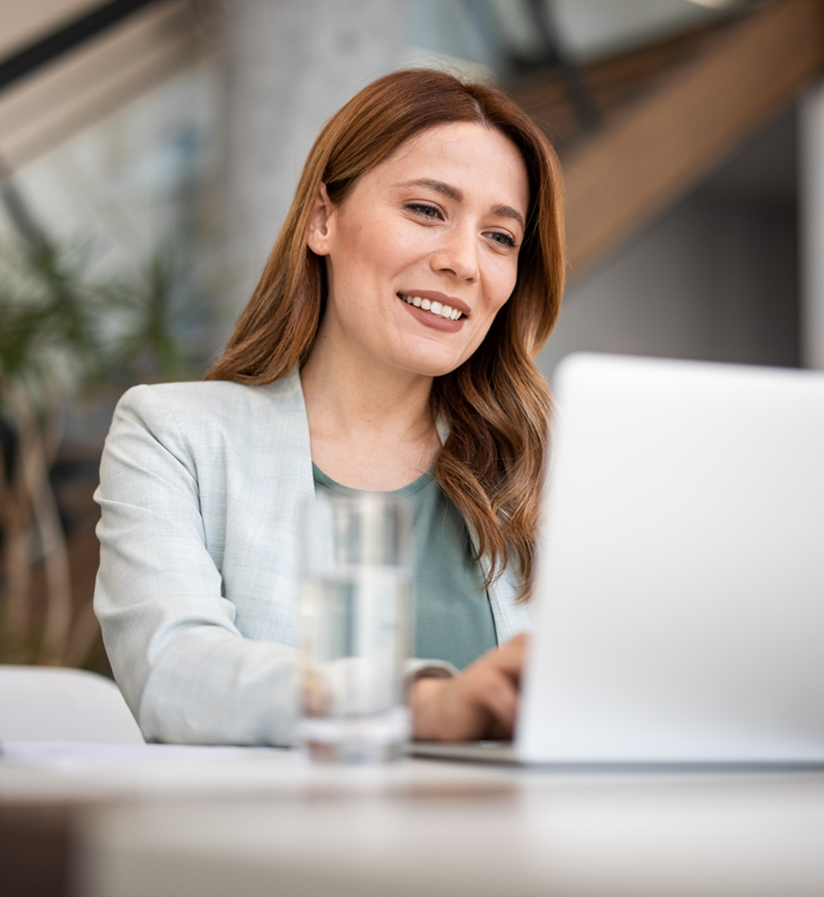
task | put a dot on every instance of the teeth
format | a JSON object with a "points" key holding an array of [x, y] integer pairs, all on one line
{"points": [[436, 308]]}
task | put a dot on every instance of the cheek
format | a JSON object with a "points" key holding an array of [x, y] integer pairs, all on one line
{"points": [[375, 249], [503, 286]]}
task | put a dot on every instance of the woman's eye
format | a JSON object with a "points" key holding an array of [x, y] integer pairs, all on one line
{"points": [[502, 239], [424, 210]]}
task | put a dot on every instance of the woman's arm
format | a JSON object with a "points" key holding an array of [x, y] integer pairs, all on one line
{"points": [[481, 702], [194, 662]]}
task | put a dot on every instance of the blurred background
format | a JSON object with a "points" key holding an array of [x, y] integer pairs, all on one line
{"points": [[149, 150]]}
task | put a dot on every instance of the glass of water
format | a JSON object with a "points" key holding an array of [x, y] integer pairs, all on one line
{"points": [[355, 627]]}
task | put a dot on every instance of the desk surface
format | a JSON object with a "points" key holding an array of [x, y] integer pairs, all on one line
{"points": [[254, 822]]}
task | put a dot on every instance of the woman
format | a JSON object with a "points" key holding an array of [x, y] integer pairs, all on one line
{"points": [[388, 346]]}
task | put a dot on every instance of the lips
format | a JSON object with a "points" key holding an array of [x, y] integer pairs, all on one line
{"points": [[428, 319], [438, 304]]}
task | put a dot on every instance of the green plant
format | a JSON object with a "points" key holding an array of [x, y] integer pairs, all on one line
{"points": [[61, 333]]}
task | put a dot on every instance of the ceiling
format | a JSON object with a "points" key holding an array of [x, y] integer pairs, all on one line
{"points": [[593, 28], [25, 22]]}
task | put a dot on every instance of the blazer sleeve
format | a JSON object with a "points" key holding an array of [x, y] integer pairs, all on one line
{"points": [[183, 666]]}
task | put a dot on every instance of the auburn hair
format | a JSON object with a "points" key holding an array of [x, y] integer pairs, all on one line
{"points": [[496, 403]]}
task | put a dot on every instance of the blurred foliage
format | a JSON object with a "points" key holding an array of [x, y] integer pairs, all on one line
{"points": [[48, 314], [64, 332]]}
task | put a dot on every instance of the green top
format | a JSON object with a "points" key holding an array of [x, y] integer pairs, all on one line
{"points": [[453, 618]]}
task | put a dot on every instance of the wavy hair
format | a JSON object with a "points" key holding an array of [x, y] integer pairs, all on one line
{"points": [[496, 403]]}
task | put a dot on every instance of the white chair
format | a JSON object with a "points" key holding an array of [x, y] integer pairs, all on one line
{"points": [[55, 704]]}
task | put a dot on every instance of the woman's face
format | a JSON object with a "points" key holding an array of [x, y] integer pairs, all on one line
{"points": [[423, 251]]}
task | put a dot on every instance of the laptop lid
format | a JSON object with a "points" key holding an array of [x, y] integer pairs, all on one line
{"points": [[680, 591]]}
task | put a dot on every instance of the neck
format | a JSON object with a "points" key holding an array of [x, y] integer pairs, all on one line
{"points": [[370, 428]]}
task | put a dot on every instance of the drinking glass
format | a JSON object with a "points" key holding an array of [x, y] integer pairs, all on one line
{"points": [[355, 627]]}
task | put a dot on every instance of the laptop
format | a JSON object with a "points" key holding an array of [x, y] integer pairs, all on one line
{"points": [[679, 614]]}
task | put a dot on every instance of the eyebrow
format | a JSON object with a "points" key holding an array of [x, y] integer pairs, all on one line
{"points": [[453, 193]]}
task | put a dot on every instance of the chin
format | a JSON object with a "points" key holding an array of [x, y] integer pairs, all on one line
{"points": [[431, 358], [435, 367]]}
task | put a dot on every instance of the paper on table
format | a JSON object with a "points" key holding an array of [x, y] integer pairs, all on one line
{"points": [[83, 770], [78, 755]]}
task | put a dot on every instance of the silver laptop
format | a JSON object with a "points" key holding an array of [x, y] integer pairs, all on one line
{"points": [[680, 598]]}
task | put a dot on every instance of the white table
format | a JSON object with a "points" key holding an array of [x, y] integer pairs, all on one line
{"points": [[269, 822]]}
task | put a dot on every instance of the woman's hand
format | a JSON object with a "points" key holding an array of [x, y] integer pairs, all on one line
{"points": [[481, 702]]}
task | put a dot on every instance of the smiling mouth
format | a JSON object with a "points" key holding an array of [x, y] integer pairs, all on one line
{"points": [[434, 307]]}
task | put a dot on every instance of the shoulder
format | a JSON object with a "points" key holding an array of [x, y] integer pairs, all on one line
{"points": [[218, 401], [210, 413], [215, 398]]}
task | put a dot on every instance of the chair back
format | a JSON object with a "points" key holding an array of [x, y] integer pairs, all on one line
{"points": [[56, 704]]}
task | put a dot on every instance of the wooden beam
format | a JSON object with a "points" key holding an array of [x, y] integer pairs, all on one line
{"points": [[668, 142], [613, 81], [46, 109], [24, 21]]}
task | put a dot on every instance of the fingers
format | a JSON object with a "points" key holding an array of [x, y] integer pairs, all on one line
{"points": [[509, 658], [482, 702], [497, 695]]}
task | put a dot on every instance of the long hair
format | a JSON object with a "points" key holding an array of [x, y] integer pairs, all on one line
{"points": [[496, 403]]}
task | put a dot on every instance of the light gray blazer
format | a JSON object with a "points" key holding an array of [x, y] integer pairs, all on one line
{"points": [[200, 490]]}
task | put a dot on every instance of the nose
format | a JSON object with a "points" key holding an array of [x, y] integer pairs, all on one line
{"points": [[458, 255]]}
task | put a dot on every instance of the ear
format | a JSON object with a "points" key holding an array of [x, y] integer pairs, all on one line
{"points": [[317, 239]]}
